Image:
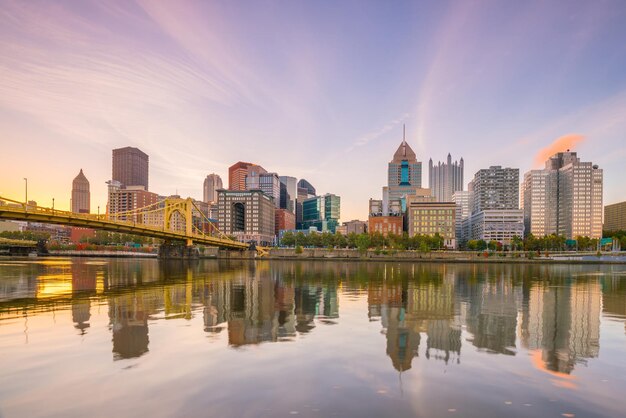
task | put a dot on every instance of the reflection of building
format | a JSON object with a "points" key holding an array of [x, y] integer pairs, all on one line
{"points": [[563, 322], [80, 194], [129, 323]]}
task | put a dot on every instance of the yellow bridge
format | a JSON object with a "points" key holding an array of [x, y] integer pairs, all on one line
{"points": [[172, 219]]}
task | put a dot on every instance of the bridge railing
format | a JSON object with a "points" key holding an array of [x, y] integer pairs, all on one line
{"points": [[113, 219]]}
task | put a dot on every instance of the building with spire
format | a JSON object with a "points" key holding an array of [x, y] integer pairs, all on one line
{"points": [[80, 194], [445, 178], [404, 173]]}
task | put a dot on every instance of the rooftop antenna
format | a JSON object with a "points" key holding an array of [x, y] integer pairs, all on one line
{"points": [[404, 132]]}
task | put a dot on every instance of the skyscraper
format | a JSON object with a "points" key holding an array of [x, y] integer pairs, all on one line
{"points": [[495, 188], [238, 172], [404, 173], [291, 184], [445, 178], [564, 198], [80, 194], [130, 167], [308, 186], [267, 182], [322, 212], [212, 182]]}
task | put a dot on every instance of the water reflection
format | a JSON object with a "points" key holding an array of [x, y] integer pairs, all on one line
{"points": [[425, 311]]}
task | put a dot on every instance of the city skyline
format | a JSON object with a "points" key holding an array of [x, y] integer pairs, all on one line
{"points": [[466, 79]]}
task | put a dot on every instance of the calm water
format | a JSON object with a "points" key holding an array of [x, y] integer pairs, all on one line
{"points": [[101, 338]]}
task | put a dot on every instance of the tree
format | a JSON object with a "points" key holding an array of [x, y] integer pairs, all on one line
{"points": [[363, 242], [340, 240], [288, 239]]}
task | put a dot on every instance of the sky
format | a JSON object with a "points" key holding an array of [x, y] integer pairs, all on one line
{"points": [[316, 90]]}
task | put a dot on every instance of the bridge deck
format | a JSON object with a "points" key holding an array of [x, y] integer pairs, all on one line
{"points": [[50, 216]]}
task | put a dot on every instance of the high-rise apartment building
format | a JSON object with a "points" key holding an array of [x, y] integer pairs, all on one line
{"points": [[494, 206], [322, 212], [123, 199], [212, 183], [130, 167], [247, 215], [445, 178], [615, 217], [495, 188], [80, 194], [564, 198]]}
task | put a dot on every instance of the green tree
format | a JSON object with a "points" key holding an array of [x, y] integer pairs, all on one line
{"points": [[288, 239], [363, 242], [340, 240]]}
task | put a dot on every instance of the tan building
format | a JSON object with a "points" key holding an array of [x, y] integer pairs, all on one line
{"points": [[80, 194], [428, 218], [212, 183], [615, 217]]}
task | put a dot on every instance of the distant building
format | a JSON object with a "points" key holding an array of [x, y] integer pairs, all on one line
{"points": [[212, 183], [238, 172], [322, 212], [303, 184], [565, 198], [130, 167], [462, 200], [284, 219], [247, 215], [615, 217], [356, 227], [430, 218], [290, 193], [445, 178], [302, 195], [269, 183], [80, 194]]}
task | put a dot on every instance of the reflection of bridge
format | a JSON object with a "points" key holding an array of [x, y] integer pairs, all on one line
{"points": [[171, 219]]}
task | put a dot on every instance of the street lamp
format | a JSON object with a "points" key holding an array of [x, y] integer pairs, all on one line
{"points": [[26, 198], [53, 205]]}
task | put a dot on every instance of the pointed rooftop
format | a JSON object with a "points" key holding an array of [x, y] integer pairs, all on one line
{"points": [[81, 177], [404, 152]]}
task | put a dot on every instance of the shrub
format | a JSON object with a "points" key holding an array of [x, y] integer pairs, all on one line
{"points": [[298, 249]]}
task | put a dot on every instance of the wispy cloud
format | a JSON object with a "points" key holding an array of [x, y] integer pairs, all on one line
{"points": [[561, 144]]}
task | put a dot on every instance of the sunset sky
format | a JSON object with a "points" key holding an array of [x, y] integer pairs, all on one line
{"points": [[316, 90]]}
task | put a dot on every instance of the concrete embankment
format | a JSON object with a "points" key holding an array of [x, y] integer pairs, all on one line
{"points": [[433, 256], [76, 253]]}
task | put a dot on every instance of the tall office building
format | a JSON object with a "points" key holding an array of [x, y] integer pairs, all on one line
{"points": [[291, 188], [404, 173], [123, 199], [269, 183], [322, 212], [238, 172], [564, 198], [212, 182], [494, 206], [130, 167], [303, 184], [495, 188], [80, 194], [445, 178], [462, 200]]}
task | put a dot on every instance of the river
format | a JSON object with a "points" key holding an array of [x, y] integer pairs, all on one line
{"points": [[126, 337]]}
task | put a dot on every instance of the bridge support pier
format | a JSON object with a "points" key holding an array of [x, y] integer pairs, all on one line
{"points": [[178, 251]]}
